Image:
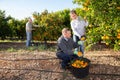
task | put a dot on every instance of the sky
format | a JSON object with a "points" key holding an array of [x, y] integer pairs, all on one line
{"points": [[21, 9]]}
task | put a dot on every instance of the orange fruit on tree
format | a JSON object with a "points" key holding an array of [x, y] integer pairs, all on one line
{"points": [[107, 43], [119, 43], [90, 25], [107, 37], [118, 8], [118, 30], [82, 38], [103, 37], [118, 37], [118, 34]]}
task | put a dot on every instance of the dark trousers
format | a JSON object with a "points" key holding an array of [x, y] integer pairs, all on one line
{"points": [[66, 58]]}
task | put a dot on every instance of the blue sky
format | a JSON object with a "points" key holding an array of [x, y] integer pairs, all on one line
{"points": [[20, 9]]}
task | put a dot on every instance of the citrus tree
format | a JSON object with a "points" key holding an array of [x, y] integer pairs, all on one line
{"points": [[11, 27], [5, 30], [104, 21], [20, 28], [50, 24]]}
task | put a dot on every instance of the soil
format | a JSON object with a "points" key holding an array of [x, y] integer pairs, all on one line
{"points": [[43, 65]]}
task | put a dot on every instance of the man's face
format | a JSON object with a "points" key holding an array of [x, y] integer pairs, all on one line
{"points": [[73, 15], [68, 34], [30, 20]]}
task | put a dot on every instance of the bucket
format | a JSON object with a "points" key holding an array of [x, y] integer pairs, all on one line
{"points": [[80, 71]]}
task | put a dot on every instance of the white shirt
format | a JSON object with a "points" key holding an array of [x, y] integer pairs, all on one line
{"points": [[78, 27], [29, 26]]}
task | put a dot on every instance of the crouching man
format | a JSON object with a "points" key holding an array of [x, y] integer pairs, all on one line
{"points": [[66, 46]]}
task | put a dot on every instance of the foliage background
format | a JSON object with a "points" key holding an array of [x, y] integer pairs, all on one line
{"points": [[102, 15]]}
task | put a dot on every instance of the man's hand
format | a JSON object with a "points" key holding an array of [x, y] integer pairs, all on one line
{"points": [[36, 26]]}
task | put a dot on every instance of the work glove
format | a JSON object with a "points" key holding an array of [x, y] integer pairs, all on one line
{"points": [[75, 52], [80, 42], [79, 53]]}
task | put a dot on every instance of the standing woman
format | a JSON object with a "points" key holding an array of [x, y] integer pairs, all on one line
{"points": [[78, 26]]}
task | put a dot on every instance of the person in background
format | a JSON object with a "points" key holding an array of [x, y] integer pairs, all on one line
{"points": [[78, 26], [29, 26], [65, 50]]}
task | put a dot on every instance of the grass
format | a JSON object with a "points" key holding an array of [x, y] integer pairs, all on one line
{"points": [[42, 48], [31, 48], [11, 41], [11, 49], [19, 45]]}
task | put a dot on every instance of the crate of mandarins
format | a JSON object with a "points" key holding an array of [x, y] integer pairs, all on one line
{"points": [[80, 67]]}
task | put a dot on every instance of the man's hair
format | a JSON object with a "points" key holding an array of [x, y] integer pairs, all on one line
{"points": [[64, 30], [29, 18], [73, 11]]}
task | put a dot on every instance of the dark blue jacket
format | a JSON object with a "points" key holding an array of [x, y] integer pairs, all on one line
{"points": [[66, 45]]}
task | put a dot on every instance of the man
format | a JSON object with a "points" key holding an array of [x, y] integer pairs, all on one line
{"points": [[65, 48], [78, 26], [29, 32]]}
